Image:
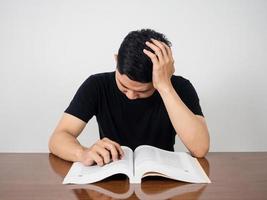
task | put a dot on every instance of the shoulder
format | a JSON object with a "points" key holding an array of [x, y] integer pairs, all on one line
{"points": [[183, 86], [188, 94], [99, 79], [178, 78], [180, 82]]}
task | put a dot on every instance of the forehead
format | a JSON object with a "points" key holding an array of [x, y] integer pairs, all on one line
{"points": [[125, 81]]}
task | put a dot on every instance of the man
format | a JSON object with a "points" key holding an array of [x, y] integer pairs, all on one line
{"points": [[142, 102]]}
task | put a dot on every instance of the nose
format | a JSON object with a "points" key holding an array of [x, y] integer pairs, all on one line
{"points": [[131, 95]]}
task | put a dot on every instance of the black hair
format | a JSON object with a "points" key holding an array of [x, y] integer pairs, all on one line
{"points": [[132, 61]]}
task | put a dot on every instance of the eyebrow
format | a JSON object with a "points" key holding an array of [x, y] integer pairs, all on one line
{"points": [[134, 90]]}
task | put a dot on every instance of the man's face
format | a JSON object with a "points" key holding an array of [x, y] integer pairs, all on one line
{"points": [[133, 89]]}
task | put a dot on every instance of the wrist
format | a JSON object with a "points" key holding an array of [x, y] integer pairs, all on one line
{"points": [[79, 153], [165, 88]]}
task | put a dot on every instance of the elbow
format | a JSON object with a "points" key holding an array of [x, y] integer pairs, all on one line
{"points": [[200, 152], [50, 144]]}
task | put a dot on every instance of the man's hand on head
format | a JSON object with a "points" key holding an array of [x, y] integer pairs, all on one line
{"points": [[102, 152], [163, 64]]}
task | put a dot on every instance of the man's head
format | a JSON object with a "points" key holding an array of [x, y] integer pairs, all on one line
{"points": [[134, 68]]}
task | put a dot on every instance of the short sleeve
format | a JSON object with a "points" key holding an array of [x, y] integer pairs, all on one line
{"points": [[85, 102], [189, 96]]}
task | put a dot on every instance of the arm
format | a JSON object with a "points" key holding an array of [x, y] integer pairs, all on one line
{"points": [[63, 142], [65, 145], [191, 128]]}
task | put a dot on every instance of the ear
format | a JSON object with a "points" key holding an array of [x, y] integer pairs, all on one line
{"points": [[116, 57]]}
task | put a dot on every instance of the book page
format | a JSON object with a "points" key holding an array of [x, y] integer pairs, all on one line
{"points": [[146, 153], [149, 160], [81, 174]]}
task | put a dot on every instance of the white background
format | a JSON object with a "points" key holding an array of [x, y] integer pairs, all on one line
{"points": [[48, 48]]}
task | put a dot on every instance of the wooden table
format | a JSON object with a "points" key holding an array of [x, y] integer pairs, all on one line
{"points": [[39, 176]]}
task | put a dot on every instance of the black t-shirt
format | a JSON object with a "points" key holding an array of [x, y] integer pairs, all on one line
{"points": [[130, 122]]}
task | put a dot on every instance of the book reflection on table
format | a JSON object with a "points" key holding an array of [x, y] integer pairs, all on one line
{"points": [[151, 188]]}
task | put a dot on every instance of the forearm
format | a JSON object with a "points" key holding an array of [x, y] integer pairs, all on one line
{"points": [[65, 146], [193, 133]]}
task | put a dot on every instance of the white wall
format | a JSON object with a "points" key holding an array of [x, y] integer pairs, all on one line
{"points": [[48, 48]]}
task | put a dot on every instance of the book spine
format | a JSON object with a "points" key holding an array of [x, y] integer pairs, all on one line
{"points": [[135, 180]]}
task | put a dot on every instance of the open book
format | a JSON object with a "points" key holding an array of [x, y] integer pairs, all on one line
{"points": [[144, 161]]}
